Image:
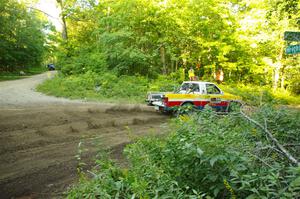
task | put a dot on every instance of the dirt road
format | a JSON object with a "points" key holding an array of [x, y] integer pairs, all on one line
{"points": [[39, 137]]}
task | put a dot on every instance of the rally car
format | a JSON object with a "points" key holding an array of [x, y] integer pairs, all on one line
{"points": [[196, 94]]}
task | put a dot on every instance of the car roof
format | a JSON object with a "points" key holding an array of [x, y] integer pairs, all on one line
{"points": [[197, 82]]}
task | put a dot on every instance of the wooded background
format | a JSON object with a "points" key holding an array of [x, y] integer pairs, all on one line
{"points": [[151, 37]]}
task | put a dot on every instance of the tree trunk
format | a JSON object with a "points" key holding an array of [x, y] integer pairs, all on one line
{"points": [[282, 78], [163, 59], [108, 14], [278, 66], [64, 30], [276, 75], [64, 24]]}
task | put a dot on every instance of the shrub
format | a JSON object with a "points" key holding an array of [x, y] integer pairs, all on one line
{"points": [[83, 61], [166, 83], [92, 85], [257, 95], [205, 155]]}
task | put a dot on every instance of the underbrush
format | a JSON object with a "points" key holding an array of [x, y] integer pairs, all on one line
{"points": [[205, 155], [17, 75], [257, 95], [105, 87]]}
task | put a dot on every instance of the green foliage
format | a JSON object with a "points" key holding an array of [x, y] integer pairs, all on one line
{"points": [[138, 41], [109, 87], [21, 37], [166, 83], [258, 95], [109, 183], [293, 74], [85, 60], [285, 125], [205, 155], [16, 75], [96, 86], [150, 37]]}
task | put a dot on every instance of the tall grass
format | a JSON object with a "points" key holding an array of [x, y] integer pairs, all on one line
{"points": [[4, 76]]}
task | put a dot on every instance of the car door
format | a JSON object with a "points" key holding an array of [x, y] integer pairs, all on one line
{"points": [[214, 96]]}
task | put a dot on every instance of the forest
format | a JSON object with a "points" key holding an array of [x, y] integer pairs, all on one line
{"points": [[118, 50], [244, 39], [22, 36], [149, 38]]}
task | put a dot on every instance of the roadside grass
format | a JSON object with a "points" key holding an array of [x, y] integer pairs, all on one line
{"points": [[257, 95], [108, 87], [35, 70], [5, 76], [10, 76], [90, 86]]}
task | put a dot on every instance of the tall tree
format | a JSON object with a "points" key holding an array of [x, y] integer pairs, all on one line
{"points": [[63, 19]]}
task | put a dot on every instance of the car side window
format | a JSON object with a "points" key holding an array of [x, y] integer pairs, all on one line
{"points": [[212, 89], [195, 88]]}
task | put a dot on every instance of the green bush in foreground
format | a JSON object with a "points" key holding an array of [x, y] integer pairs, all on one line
{"points": [[204, 156]]}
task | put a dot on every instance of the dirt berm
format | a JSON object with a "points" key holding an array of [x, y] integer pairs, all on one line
{"points": [[40, 137]]}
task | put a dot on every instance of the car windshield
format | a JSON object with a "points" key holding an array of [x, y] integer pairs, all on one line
{"points": [[190, 87], [184, 87]]}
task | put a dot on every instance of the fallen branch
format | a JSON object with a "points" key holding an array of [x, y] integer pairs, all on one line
{"points": [[272, 138], [269, 147], [260, 159], [291, 145]]}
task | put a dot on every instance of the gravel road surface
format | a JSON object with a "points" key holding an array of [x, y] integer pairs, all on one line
{"points": [[39, 136], [20, 93]]}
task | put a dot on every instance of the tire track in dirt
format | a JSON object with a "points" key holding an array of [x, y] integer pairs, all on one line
{"points": [[38, 145]]}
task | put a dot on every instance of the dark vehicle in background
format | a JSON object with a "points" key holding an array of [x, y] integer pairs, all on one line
{"points": [[51, 67]]}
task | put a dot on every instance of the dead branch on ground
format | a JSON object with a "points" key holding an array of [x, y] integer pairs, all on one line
{"points": [[280, 147]]}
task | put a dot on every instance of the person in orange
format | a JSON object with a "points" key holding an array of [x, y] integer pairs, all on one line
{"points": [[191, 74], [220, 76]]}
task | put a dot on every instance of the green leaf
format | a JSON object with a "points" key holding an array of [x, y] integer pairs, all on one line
{"points": [[213, 160], [296, 182], [199, 152]]}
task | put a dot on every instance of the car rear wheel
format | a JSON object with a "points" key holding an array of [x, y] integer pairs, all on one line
{"points": [[185, 108]]}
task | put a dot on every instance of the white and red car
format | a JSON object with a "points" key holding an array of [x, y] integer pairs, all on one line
{"points": [[197, 94]]}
